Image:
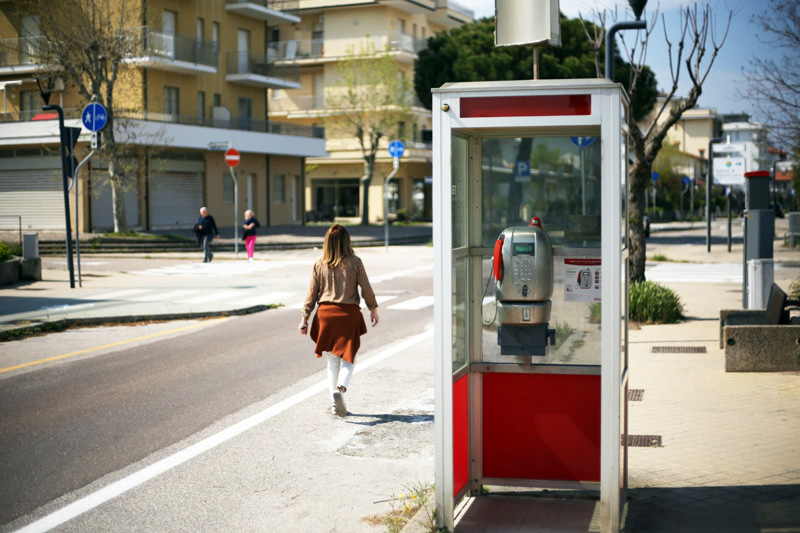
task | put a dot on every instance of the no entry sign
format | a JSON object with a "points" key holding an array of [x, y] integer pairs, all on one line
{"points": [[232, 157]]}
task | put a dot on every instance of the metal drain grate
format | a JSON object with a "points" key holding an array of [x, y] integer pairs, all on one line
{"points": [[635, 395], [678, 349], [644, 441]]}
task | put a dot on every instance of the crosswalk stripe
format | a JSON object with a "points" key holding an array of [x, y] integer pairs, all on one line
{"points": [[265, 299], [213, 297], [113, 295], [414, 304], [385, 298], [695, 273], [170, 295]]}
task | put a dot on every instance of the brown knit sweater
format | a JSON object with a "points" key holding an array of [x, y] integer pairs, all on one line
{"points": [[339, 285]]}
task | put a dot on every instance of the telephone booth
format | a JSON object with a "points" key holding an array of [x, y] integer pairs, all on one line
{"points": [[515, 422]]}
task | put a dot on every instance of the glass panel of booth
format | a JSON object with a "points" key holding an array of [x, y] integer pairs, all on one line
{"points": [[460, 256], [558, 179]]}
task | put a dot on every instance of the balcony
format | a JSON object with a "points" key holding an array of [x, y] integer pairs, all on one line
{"points": [[271, 11], [451, 14], [22, 56], [295, 106], [169, 51], [254, 69], [234, 123], [319, 50]]}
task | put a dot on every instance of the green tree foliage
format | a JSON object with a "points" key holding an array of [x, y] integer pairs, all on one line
{"points": [[368, 102], [468, 53]]}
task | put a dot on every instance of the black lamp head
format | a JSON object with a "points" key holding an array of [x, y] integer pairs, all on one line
{"points": [[638, 7]]}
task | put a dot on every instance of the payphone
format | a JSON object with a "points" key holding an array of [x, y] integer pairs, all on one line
{"points": [[522, 265]]}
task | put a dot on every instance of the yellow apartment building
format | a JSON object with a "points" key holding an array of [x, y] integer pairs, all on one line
{"points": [[199, 74], [327, 30]]}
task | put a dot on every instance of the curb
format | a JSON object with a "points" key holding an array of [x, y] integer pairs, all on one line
{"points": [[417, 523], [64, 323]]}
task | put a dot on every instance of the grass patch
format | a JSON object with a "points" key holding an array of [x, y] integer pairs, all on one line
{"points": [[404, 507], [144, 236], [660, 257], [563, 331], [794, 290], [595, 312], [652, 303]]}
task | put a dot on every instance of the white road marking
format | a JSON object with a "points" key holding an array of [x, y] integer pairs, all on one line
{"points": [[385, 298], [265, 299], [109, 492], [113, 295], [212, 297], [695, 272], [224, 269], [170, 295], [400, 273], [414, 304]]}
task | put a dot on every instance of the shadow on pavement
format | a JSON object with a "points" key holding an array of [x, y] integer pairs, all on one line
{"points": [[709, 509]]}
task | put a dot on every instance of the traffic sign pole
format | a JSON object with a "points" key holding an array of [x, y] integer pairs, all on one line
{"points": [[232, 159], [396, 149]]}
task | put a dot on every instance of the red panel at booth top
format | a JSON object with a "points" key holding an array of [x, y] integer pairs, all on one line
{"points": [[460, 433], [541, 426], [526, 106]]}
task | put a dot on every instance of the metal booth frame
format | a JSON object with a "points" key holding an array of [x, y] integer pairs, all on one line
{"points": [[479, 110]]}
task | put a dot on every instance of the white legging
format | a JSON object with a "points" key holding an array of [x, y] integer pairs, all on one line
{"points": [[339, 372]]}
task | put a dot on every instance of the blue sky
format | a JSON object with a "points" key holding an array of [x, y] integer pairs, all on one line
{"points": [[719, 91]]}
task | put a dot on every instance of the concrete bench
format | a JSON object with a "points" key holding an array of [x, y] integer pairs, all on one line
{"points": [[761, 340]]}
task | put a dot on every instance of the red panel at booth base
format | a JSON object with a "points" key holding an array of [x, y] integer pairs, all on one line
{"points": [[460, 433], [541, 426]]}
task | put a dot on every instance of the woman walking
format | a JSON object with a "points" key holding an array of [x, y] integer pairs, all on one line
{"points": [[250, 225], [338, 323]]}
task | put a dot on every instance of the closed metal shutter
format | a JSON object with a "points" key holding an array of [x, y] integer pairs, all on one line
{"points": [[36, 195], [175, 200], [103, 209]]}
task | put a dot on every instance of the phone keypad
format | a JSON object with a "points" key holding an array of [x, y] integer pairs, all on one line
{"points": [[523, 270]]}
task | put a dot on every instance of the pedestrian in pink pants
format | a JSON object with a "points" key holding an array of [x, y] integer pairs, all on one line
{"points": [[249, 236]]}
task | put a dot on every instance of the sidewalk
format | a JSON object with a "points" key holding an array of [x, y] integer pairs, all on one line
{"points": [[729, 458]]}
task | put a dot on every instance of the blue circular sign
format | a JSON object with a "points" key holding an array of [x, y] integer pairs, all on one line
{"points": [[654, 176], [396, 148], [686, 180], [582, 142], [94, 117]]}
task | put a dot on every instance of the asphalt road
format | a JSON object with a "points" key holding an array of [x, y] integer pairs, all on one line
{"points": [[69, 422]]}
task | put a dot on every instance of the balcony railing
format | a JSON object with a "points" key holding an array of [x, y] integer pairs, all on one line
{"points": [[455, 6], [317, 48], [235, 123], [258, 63], [144, 41], [25, 51], [297, 103], [275, 5]]}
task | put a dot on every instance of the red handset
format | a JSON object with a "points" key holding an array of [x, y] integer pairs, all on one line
{"points": [[497, 258]]}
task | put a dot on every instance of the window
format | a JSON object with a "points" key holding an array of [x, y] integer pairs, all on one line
{"points": [[171, 103], [201, 107], [217, 100], [200, 24], [227, 188], [401, 130], [245, 113], [30, 103], [278, 189], [215, 36]]}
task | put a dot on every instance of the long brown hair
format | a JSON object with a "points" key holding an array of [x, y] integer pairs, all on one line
{"points": [[336, 246]]}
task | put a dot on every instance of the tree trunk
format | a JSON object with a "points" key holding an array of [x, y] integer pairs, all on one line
{"points": [[117, 199], [366, 180], [638, 175]]}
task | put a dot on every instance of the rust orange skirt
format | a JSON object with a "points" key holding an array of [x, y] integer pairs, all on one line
{"points": [[337, 328]]}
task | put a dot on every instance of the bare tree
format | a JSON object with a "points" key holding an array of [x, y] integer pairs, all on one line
{"points": [[773, 81], [369, 101], [695, 48], [87, 42]]}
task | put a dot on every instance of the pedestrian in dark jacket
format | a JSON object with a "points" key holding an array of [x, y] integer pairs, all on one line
{"points": [[207, 229]]}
